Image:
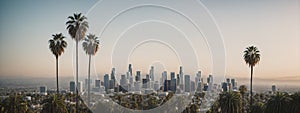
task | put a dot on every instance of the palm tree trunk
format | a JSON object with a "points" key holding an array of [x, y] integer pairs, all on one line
{"points": [[57, 90], [76, 77], [251, 93], [89, 70]]}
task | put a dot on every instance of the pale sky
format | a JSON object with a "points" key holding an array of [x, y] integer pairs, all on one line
{"points": [[152, 36]]}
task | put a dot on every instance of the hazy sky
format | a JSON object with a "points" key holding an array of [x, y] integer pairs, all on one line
{"points": [[152, 36]]}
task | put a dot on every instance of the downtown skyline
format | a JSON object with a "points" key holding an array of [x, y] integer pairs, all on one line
{"points": [[263, 26]]}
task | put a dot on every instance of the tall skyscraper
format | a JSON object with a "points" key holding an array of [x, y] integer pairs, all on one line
{"points": [[178, 79], [181, 75], [138, 76], [130, 69], [164, 76], [172, 74], [106, 82], [112, 74], [72, 86], [151, 73], [198, 77], [187, 83]]}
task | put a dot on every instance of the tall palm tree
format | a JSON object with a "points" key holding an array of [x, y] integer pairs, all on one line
{"points": [[57, 46], [90, 46], [54, 104], [230, 102], [279, 103], [251, 57], [77, 27]]}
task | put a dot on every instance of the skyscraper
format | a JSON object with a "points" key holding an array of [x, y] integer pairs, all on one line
{"points": [[173, 85], [130, 69], [164, 77], [138, 76], [225, 86], [187, 84], [198, 77], [181, 75], [151, 73], [233, 84], [72, 86], [172, 75], [112, 74], [106, 82], [123, 81], [43, 90], [79, 86], [97, 83]]}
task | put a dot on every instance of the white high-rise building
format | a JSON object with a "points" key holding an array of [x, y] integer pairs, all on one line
{"points": [[80, 88], [198, 77]]}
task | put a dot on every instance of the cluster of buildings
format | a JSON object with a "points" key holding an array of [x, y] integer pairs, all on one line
{"points": [[134, 82]]}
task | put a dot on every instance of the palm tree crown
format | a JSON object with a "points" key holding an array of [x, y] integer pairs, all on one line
{"points": [[251, 55], [77, 26], [91, 44], [57, 44]]}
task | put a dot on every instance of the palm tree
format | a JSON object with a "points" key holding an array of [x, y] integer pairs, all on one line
{"points": [[243, 90], [54, 104], [14, 104], [77, 27], [251, 57], [257, 108], [230, 102], [279, 103], [90, 46], [57, 45], [295, 102]]}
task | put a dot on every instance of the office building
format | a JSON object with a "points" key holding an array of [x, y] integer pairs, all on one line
{"points": [[138, 76], [43, 90], [72, 86], [151, 73], [97, 83], [106, 82], [187, 83]]}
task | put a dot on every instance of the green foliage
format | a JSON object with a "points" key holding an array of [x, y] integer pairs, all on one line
{"points": [[230, 102], [15, 103], [54, 104]]}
